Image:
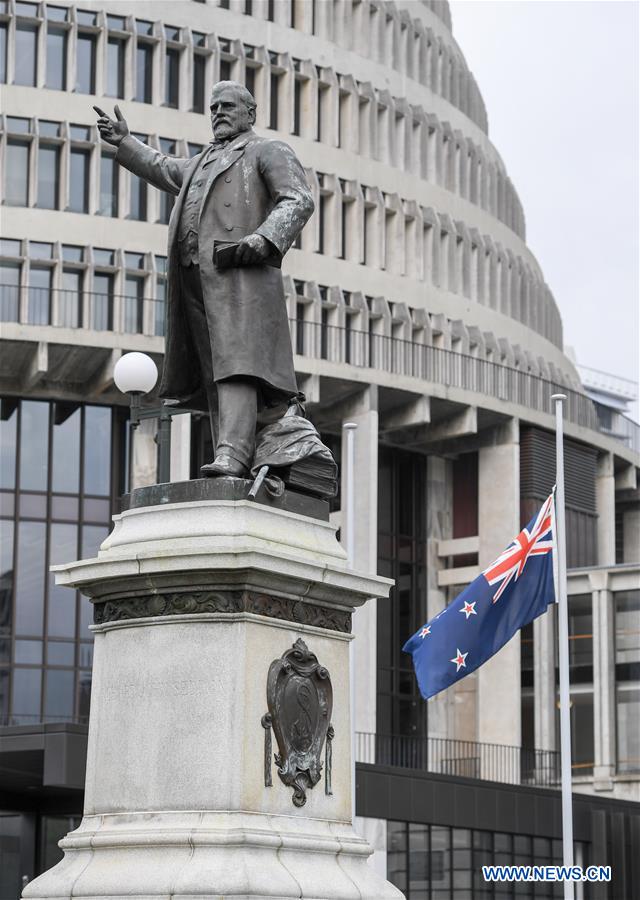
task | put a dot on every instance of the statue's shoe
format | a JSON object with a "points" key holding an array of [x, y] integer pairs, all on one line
{"points": [[224, 465]]}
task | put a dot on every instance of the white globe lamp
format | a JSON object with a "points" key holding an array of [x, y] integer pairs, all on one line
{"points": [[135, 373]]}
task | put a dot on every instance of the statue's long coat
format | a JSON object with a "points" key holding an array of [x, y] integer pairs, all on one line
{"points": [[258, 186]]}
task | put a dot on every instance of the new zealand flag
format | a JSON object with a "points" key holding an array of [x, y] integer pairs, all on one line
{"points": [[513, 591]]}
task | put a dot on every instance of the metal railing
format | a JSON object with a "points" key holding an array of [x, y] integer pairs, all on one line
{"points": [[464, 759], [123, 314]]}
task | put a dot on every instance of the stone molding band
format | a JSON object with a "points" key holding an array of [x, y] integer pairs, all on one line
{"points": [[232, 602]]}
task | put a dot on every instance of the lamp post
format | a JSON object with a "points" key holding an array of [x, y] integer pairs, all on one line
{"points": [[136, 374]]}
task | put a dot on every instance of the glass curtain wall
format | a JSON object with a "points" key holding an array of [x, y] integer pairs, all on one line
{"points": [[56, 500], [401, 712]]}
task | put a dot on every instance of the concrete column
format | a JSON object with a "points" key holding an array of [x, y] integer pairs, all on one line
{"points": [[544, 682], [439, 528], [604, 699], [631, 532], [499, 518], [181, 447], [606, 508], [364, 413]]}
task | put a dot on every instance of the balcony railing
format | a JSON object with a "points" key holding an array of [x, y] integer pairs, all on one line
{"points": [[124, 314], [464, 759]]}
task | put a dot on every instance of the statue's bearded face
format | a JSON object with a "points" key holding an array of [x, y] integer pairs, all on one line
{"points": [[230, 115]]}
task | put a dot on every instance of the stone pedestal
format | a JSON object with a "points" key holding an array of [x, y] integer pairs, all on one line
{"points": [[196, 592]]}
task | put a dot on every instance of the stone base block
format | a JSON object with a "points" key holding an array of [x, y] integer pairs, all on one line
{"points": [[214, 855]]}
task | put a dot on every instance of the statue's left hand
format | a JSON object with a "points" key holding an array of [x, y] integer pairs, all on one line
{"points": [[252, 250]]}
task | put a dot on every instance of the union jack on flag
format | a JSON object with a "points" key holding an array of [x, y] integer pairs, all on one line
{"points": [[475, 626]]}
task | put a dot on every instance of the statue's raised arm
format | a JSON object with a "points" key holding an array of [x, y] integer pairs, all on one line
{"points": [[112, 130]]}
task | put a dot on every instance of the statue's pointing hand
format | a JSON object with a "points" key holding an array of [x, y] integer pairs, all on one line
{"points": [[112, 130]]}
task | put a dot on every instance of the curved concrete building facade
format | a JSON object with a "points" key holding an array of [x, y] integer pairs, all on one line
{"points": [[416, 311]]}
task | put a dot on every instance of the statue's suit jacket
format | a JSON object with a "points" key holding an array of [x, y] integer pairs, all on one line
{"points": [[255, 185]]}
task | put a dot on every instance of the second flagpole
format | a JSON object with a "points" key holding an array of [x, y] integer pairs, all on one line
{"points": [[563, 649]]}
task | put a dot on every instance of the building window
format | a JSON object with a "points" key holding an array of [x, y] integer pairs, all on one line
{"points": [[274, 100], [86, 63], [168, 147], [16, 174], [199, 72], [39, 307], [115, 67], [3, 53], [250, 79], [172, 77], [48, 176], [101, 306], [26, 54], [56, 59], [79, 180], [627, 630], [109, 177], [133, 304], [9, 291], [297, 106], [144, 72], [70, 299]]}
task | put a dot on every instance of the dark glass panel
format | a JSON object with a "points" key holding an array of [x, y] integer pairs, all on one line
{"points": [[59, 691], [138, 199], [440, 863], [26, 9], [48, 129], [8, 438], [53, 829], [79, 132], [95, 510], [65, 476], [101, 302], [628, 733], [273, 115], [159, 305], [133, 303], [199, 67], [16, 175], [39, 306], [171, 33], [66, 508], [4, 695], [79, 180], [48, 181], [84, 17], [27, 688], [3, 53], [34, 442], [134, 260], [250, 79], [57, 13], [30, 577], [40, 250], [102, 257], [85, 653], [84, 694], [56, 59], [9, 247], [18, 125], [418, 861], [9, 292], [116, 23], [115, 68], [97, 455], [28, 652], [33, 506], [86, 63], [25, 55], [63, 548], [72, 253], [7, 504], [172, 77], [6, 581], [61, 653], [144, 72], [397, 854], [70, 299], [108, 185], [143, 27]]}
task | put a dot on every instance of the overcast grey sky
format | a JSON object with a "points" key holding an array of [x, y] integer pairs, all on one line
{"points": [[560, 82]]}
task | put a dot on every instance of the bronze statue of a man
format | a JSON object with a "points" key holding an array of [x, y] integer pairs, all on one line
{"points": [[240, 205]]}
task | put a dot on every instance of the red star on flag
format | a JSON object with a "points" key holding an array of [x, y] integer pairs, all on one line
{"points": [[469, 609], [459, 660], [425, 631]]}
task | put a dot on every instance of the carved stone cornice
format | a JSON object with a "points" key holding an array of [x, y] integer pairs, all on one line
{"points": [[230, 602]]}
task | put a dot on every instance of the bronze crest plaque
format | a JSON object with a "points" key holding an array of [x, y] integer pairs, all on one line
{"points": [[300, 701]]}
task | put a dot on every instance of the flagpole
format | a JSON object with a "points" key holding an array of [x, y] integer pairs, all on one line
{"points": [[349, 522], [563, 650]]}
